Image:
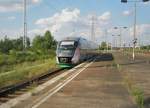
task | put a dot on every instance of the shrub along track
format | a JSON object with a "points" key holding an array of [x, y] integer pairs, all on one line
{"points": [[24, 86]]}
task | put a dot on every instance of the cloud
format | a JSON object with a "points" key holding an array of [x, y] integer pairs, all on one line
{"points": [[62, 21], [146, 3], [15, 5], [59, 19], [11, 18], [10, 7], [36, 1], [142, 34], [11, 33], [127, 13], [143, 29], [105, 16], [105, 19], [69, 22]]}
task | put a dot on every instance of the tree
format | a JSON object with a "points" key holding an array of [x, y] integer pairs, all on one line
{"points": [[45, 42], [48, 40], [103, 46], [28, 42], [18, 44], [38, 43], [6, 45]]}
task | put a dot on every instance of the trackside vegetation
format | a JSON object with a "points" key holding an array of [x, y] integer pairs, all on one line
{"points": [[17, 63], [23, 72], [104, 46]]}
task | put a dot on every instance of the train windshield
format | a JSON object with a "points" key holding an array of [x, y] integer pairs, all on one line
{"points": [[67, 45]]}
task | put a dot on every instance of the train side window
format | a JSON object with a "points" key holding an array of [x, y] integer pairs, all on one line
{"points": [[79, 44], [75, 44]]}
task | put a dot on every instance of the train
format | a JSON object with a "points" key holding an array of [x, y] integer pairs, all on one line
{"points": [[73, 50]]}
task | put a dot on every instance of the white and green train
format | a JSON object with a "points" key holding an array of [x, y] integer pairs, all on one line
{"points": [[73, 50]]}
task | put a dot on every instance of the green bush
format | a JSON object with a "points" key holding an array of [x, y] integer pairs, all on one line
{"points": [[16, 57], [3, 59]]}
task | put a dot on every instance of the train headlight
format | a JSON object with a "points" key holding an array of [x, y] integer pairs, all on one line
{"points": [[57, 61]]}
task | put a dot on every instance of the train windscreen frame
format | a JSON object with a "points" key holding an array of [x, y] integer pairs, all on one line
{"points": [[67, 45]]}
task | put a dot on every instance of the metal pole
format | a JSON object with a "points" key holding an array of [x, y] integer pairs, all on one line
{"points": [[93, 29], [114, 42], [134, 40], [106, 40], [120, 39], [25, 25]]}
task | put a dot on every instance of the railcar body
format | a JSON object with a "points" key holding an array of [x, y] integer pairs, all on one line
{"points": [[73, 50]]}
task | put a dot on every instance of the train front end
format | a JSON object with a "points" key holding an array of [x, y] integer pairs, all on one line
{"points": [[67, 53]]}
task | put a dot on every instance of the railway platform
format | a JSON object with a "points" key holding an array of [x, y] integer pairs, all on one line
{"points": [[96, 84]]}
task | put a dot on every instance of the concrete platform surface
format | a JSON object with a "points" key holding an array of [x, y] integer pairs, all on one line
{"points": [[99, 85]]}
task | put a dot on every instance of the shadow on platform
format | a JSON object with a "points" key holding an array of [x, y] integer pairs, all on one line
{"points": [[109, 57], [104, 57], [147, 103]]}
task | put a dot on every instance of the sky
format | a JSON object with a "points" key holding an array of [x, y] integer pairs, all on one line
{"points": [[74, 18]]}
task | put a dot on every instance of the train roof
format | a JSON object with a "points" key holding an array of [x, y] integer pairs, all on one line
{"points": [[73, 38], [84, 42]]}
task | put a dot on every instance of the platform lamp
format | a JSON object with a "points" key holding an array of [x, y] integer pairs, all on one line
{"points": [[135, 39], [120, 34]]}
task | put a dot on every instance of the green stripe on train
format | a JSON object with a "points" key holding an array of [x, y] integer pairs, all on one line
{"points": [[66, 65]]}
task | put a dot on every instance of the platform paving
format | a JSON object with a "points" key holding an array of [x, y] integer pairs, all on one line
{"points": [[99, 86], [137, 72]]}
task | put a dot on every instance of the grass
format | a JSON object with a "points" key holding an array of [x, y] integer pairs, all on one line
{"points": [[10, 68], [25, 71], [10, 61], [32, 88], [139, 96], [136, 92]]}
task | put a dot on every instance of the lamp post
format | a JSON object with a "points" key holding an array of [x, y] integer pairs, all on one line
{"points": [[134, 34], [106, 34], [106, 39], [120, 34], [115, 41]]}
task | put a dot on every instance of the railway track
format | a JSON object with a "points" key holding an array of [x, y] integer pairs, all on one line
{"points": [[12, 91]]}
